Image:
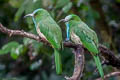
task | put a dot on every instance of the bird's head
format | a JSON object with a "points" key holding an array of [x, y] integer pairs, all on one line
{"points": [[38, 13], [70, 17]]}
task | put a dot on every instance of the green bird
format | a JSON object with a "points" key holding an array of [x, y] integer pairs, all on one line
{"points": [[48, 29], [80, 33]]}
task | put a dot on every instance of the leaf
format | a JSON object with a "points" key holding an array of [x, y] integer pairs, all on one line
{"points": [[16, 52], [27, 41], [61, 3], [20, 10], [67, 7], [41, 48], [3, 52], [15, 3], [46, 3], [8, 47]]}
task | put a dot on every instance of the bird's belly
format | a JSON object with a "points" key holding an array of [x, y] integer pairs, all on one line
{"points": [[40, 34], [75, 38]]}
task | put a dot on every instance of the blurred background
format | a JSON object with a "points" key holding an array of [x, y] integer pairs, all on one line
{"points": [[26, 59]]}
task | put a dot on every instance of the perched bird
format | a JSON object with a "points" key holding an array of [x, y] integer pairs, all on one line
{"points": [[48, 29], [80, 33]]}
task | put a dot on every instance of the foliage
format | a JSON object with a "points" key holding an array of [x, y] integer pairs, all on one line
{"points": [[26, 59]]}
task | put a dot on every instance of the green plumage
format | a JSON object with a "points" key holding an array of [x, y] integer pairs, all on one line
{"points": [[47, 28], [58, 61], [87, 36], [80, 33]]}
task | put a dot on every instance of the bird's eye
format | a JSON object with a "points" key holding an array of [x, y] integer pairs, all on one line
{"points": [[35, 14], [72, 18]]}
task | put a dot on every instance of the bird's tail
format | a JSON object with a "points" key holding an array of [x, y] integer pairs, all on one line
{"points": [[99, 67], [58, 62]]}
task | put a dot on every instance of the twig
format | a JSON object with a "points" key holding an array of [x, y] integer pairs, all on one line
{"points": [[109, 56], [110, 75], [30, 51], [59, 14], [21, 33]]}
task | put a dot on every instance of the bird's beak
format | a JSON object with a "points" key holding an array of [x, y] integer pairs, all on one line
{"points": [[62, 20], [29, 15]]}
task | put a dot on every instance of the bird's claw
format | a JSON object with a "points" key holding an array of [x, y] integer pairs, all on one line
{"points": [[67, 40]]}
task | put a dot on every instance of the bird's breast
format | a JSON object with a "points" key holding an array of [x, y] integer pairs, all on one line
{"points": [[75, 38], [39, 33]]}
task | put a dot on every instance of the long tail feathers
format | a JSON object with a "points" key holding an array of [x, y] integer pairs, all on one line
{"points": [[99, 67], [58, 62]]}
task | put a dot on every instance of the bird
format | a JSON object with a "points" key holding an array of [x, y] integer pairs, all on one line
{"points": [[47, 28], [80, 33]]}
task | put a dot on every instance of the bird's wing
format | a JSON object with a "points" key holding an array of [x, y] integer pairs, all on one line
{"points": [[51, 31], [86, 37], [95, 38]]}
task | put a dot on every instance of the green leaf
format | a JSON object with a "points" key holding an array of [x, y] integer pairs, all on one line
{"points": [[3, 52], [8, 47], [15, 3], [27, 41], [16, 52], [41, 48], [46, 3], [20, 10], [61, 3], [67, 7]]}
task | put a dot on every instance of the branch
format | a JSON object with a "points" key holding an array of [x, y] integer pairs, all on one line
{"points": [[110, 75], [109, 57], [21, 33], [79, 63]]}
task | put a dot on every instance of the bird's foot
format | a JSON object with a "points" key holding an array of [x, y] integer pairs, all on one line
{"points": [[67, 40]]}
